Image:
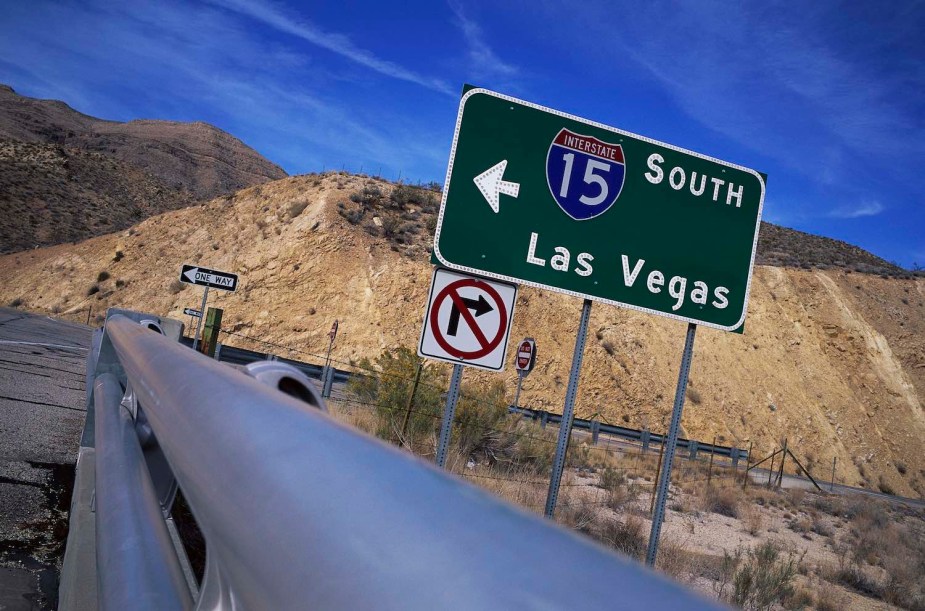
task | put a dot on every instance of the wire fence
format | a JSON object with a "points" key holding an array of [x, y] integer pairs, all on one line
{"points": [[597, 471]]}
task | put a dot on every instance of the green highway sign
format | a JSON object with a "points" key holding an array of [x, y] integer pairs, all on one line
{"points": [[539, 197]]}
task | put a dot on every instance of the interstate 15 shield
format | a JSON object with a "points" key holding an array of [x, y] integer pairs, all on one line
{"points": [[584, 174]]}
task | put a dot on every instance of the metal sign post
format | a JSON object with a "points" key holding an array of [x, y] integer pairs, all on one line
{"points": [[202, 308], [327, 375], [520, 381], [565, 427], [672, 441], [449, 412]]}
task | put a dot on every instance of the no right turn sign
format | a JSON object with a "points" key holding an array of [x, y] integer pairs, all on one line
{"points": [[468, 320]]}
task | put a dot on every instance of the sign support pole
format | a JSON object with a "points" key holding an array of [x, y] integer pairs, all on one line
{"points": [[665, 476], [520, 381], [449, 413], [202, 309], [565, 427]]}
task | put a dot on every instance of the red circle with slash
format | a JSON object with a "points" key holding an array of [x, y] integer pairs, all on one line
{"points": [[486, 345]]}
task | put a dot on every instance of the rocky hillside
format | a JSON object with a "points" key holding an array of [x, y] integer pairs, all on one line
{"points": [[53, 156], [51, 194], [831, 359]]}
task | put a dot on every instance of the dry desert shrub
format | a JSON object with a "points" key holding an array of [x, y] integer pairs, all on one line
{"points": [[827, 597], [722, 500], [758, 578], [673, 559], [627, 535], [620, 491], [535, 447], [752, 520], [577, 511]]}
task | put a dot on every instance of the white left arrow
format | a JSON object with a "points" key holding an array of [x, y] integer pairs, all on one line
{"points": [[191, 274], [491, 183]]}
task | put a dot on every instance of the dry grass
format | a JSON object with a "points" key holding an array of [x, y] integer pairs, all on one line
{"points": [[600, 497], [722, 500], [752, 520]]}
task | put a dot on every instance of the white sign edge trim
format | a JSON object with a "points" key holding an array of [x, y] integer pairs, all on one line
{"points": [[464, 363], [511, 279]]}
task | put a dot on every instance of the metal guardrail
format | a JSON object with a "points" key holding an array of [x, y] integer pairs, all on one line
{"points": [[299, 511], [645, 437], [242, 356]]}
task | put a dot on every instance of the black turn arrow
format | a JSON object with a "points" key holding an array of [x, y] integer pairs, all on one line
{"points": [[479, 306]]}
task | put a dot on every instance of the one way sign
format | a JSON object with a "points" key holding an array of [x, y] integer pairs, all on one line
{"points": [[193, 274], [468, 320]]}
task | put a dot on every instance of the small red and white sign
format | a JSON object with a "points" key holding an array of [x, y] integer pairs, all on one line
{"points": [[468, 320], [526, 356]]}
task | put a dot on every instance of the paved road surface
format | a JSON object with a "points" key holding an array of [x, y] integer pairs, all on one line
{"points": [[42, 396]]}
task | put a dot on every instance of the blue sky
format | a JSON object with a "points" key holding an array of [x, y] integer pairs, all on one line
{"points": [[826, 98]]}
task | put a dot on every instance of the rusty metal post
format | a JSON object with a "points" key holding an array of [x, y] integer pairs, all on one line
{"points": [[414, 388], [211, 331]]}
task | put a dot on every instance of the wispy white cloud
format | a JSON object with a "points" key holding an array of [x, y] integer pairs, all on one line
{"points": [[485, 63], [870, 208], [274, 17], [174, 60], [774, 77]]}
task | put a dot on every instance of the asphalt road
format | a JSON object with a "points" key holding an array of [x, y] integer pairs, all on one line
{"points": [[42, 397]]}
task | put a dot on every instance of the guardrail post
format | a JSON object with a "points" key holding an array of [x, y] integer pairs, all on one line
{"points": [[327, 381], [693, 445], [645, 437], [734, 455], [595, 431], [544, 418]]}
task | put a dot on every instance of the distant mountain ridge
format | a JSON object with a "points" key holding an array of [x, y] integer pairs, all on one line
{"points": [[198, 157], [785, 247], [67, 176]]}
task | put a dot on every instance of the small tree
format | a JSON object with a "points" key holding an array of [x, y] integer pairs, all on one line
{"points": [[388, 387]]}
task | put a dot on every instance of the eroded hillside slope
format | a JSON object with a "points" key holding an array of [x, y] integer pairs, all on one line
{"points": [[832, 360]]}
